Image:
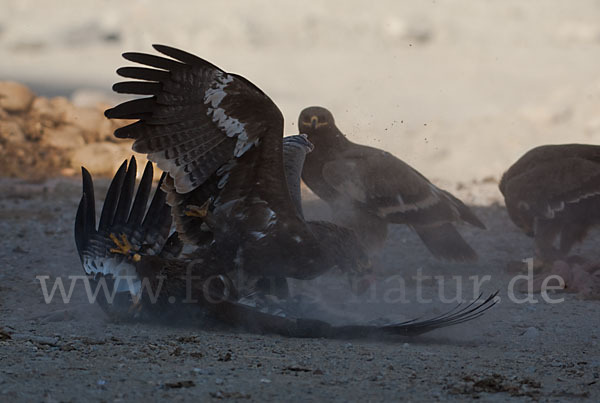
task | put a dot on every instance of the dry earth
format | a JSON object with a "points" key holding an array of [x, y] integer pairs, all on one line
{"points": [[70, 352], [457, 88]]}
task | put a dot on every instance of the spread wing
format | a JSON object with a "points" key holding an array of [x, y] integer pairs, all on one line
{"points": [[393, 190], [216, 134], [146, 228], [551, 188]]}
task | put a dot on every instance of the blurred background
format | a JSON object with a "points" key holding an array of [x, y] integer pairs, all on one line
{"points": [[457, 88]]}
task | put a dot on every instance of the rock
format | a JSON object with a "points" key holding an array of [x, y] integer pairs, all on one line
{"points": [[11, 132], [87, 119], [49, 112], [15, 97], [106, 130], [65, 137], [101, 158]]}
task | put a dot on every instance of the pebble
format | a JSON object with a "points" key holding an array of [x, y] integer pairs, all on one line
{"points": [[531, 333]]}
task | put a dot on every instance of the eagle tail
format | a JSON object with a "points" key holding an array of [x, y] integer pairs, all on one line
{"points": [[465, 212], [446, 243], [253, 320]]}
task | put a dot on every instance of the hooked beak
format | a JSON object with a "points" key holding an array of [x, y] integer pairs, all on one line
{"points": [[314, 121]]}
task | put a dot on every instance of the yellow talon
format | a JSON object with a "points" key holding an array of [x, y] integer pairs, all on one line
{"points": [[195, 211], [123, 245]]}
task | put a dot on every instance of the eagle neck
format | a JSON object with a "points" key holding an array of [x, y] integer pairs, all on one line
{"points": [[293, 162]]}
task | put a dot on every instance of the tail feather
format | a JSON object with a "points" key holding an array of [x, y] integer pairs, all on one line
{"points": [[122, 214], [112, 198], [465, 212], [141, 198], [257, 321], [445, 242], [126, 194]]}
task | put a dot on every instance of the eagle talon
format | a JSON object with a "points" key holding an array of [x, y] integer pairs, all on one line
{"points": [[192, 210], [124, 247]]}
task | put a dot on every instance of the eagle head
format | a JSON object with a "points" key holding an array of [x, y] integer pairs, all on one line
{"points": [[314, 118]]}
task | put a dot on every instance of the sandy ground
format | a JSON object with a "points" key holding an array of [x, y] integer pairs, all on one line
{"points": [[459, 89], [66, 352]]}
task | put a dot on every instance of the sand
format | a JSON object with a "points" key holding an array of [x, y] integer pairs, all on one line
{"points": [[459, 89]]}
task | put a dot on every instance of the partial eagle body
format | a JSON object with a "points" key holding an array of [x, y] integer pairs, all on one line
{"points": [[553, 193], [219, 138], [368, 188], [141, 274]]}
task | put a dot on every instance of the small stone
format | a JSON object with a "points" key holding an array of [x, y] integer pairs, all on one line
{"points": [[15, 97], [219, 381], [48, 112], [531, 333], [88, 120], [265, 380]]}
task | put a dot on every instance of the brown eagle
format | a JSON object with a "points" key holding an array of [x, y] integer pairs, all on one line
{"points": [[553, 194], [219, 139], [368, 188], [139, 272]]}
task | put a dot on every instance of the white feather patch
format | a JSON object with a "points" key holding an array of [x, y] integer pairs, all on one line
{"points": [[427, 202], [230, 125], [215, 94], [258, 234], [123, 273]]}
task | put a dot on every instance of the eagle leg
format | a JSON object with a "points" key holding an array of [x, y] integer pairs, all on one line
{"points": [[546, 232], [136, 307], [570, 235], [192, 210]]}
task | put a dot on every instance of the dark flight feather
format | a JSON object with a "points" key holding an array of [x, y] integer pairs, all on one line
{"points": [[219, 138]]}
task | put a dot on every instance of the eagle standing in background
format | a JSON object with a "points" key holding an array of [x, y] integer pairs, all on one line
{"points": [[553, 194], [219, 139], [368, 188]]}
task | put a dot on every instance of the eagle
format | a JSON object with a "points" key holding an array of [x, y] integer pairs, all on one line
{"points": [[219, 139], [136, 266], [552, 193], [368, 188]]}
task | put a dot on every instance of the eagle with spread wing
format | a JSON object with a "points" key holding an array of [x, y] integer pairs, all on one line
{"points": [[553, 194], [219, 139], [368, 188], [139, 272]]}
